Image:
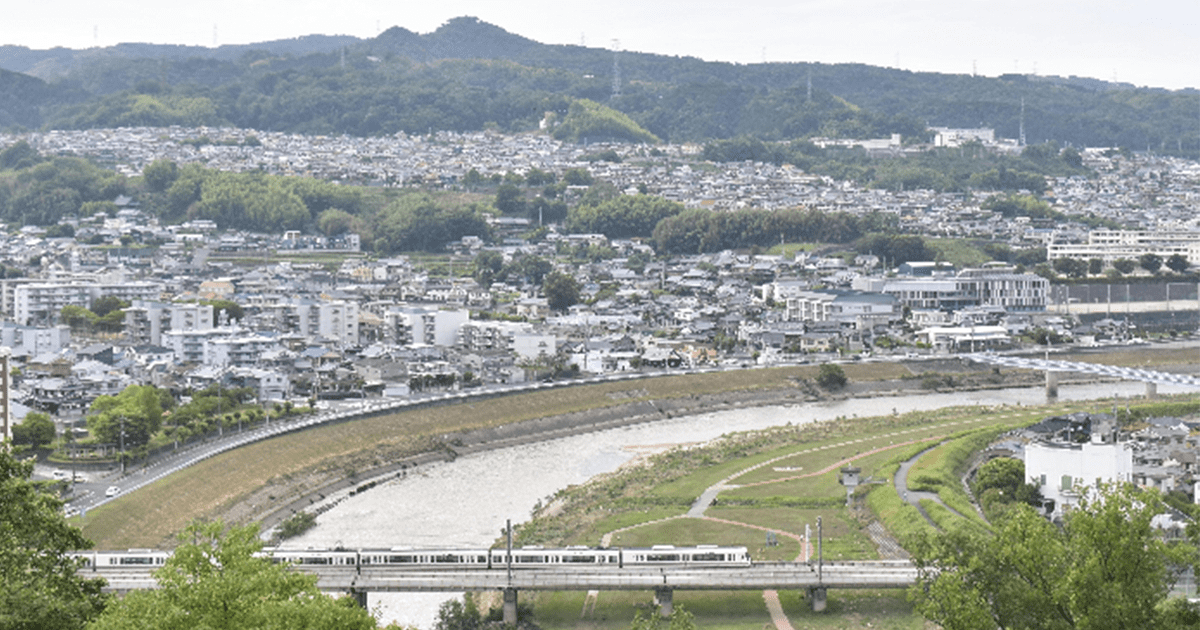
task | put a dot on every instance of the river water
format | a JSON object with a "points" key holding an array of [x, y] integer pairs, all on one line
{"points": [[466, 502]]}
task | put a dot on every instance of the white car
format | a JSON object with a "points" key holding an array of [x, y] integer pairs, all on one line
{"points": [[112, 491], [81, 478], [61, 475]]}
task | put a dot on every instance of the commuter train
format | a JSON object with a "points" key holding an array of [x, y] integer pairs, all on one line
{"points": [[494, 558]]}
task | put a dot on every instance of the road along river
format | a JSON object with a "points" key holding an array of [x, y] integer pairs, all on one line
{"points": [[466, 502]]}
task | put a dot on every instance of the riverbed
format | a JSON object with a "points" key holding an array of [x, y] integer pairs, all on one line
{"points": [[467, 502]]}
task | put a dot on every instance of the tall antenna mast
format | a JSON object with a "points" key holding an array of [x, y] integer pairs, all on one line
{"points": [[808, 95], [616, 86], [1021, 139]]}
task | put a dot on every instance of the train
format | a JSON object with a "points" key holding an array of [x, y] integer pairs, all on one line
{"points": [[528, 557]]}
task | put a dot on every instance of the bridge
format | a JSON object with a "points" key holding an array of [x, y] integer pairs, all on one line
{"points": [[1152, 378], [814, 578]]}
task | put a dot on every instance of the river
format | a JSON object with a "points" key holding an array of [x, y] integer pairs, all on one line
{"points": [[468, 501]]}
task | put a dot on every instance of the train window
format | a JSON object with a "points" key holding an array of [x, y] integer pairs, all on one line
{"points": [[529, 559], [662, 557], [131, 560], [708, 557], [591, 559], [315, 560], [447, 557], [400, 559]]}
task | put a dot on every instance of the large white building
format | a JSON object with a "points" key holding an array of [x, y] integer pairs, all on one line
{"points": [[1110, 245], [971, 287], [1065, 472]]}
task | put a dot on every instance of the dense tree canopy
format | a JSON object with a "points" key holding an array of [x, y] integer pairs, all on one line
{"points": [[418, 222], [561, 290], [1106, 567], [624, 216], [40, 588], [136, 411], [36, 429], [213, 580]]}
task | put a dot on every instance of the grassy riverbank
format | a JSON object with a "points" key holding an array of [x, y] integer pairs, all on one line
{"points": [[780, 480], [250, 482]]}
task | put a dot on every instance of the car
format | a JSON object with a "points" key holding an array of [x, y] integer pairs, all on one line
{"points": [[81, 478], [61, 475], [112, 491]]}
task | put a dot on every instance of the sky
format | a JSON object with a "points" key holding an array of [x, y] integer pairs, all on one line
{"points": [[1152, 43]]}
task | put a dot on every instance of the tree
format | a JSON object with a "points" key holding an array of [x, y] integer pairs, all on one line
{"points": [[561, 290], [42, 588], [37, 429], [1124, 265], [831, 376], [214, 580], [1177, 263], [1106, 567], [1150, 262], [159, 175], [136, 411]]}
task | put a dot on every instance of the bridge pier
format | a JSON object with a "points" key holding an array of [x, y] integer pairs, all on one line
{"points": [[1151, 390], [510, 606], [360, 598], [662, 597], [816, 598], [1051, 385]]}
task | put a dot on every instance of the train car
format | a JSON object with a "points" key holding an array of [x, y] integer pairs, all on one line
{"points": [[314, 557], [698, 556], [427, 558], [536, 556], [128, 559]]}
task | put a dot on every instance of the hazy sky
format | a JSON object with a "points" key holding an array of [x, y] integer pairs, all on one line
{"points": [[1151, 42]]}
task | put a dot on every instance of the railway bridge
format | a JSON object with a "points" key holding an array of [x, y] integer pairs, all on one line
{"points": [[1052, 368], [813, 578]]}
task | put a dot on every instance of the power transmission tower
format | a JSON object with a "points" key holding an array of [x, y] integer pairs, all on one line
{"points": [[616, 86]]}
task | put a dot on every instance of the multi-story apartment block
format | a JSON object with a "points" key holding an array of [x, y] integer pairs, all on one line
{"points": [[860, 308], [333, 321], [41, 303], [237, 350], [424, 325], [145, 321], [519, 338], [32, 340]]}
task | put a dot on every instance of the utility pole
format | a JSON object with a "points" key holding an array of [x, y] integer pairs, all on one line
{"points": [[122, 445], [820, 556]]}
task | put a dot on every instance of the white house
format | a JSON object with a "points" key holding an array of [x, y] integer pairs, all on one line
{"points": [[1066, 472]]}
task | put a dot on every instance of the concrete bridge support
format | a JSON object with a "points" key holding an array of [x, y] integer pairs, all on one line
{"points": [[1151, 390], [662, 597], [816, 598], [1051, 385], [360, 598], [510, 606]]}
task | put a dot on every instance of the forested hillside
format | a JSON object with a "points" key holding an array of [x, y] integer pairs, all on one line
{"points": [[470, 75]]}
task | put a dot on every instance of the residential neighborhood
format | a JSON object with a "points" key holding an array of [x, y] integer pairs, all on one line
{"points": [[204, 306]]}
